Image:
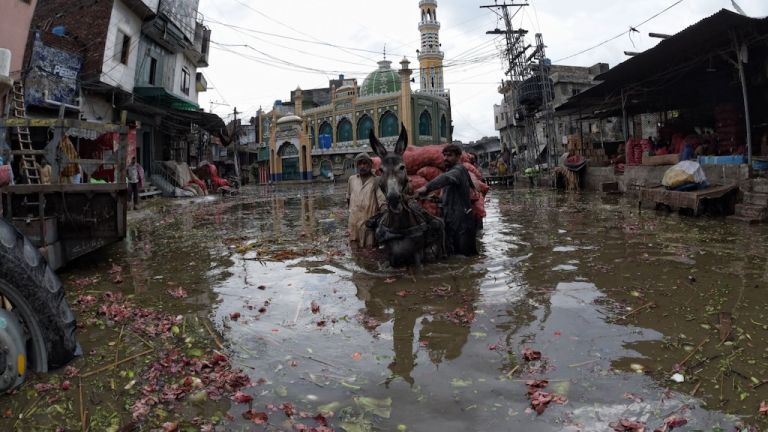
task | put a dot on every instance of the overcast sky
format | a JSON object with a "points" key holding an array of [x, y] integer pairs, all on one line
{"points": [[262, 50]]}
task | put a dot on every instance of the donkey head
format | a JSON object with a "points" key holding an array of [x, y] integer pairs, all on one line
{"points": [[394, 177]]}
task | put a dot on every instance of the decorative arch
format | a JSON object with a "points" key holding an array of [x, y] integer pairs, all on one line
{"points": [[325, 129], [388, 125], [364, 126], [287, 149], [443, 127], [289, 155], [326, 167], [344, 130], [425, 124]]}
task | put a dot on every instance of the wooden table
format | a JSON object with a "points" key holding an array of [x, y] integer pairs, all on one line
{"points": [[652, 198]]}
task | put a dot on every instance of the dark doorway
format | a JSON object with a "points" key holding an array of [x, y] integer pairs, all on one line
{"points": [[145, 157]]}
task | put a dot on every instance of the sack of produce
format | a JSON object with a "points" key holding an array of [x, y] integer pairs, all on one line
{"points": [[684, 173]]}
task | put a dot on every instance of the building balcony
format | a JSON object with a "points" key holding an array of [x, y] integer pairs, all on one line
{"points": [[440, 93], [428, 3], [431, 24], [431, 53], [201, 46], [166, 33]]}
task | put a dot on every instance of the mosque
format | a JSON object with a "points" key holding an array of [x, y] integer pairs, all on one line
{"points": [[320, 131]]}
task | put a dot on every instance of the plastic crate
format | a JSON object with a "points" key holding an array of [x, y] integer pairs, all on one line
{"points": [[722, 160]]}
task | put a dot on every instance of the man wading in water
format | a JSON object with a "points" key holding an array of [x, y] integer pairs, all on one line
{"points": [[460, 223], [365, 199]]}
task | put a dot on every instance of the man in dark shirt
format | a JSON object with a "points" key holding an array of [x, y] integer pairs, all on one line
{"points": [[460, 223]]}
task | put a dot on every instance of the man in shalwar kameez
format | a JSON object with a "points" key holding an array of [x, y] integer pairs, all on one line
{"points": [[365, 199], [460, 222]]}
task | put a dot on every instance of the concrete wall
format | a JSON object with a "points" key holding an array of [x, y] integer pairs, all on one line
{"points": [[14, 29], [183, 63], [87, 25], [122, 22], [636, 177]]}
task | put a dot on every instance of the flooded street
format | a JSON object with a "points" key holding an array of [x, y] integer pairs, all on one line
{"points": [[617, 302]]}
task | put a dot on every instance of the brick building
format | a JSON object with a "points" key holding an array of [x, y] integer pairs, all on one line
{"points": [[138, 56]]}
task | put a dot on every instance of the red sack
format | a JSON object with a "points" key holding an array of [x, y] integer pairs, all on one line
{"points": [[630, 152], [429, 172], [417, 182], [478, 204], [5, 175], [417, 158], [480, 186], [473, 170]]}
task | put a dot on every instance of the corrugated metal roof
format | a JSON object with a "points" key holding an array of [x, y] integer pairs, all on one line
{"points": [[670, 62]]}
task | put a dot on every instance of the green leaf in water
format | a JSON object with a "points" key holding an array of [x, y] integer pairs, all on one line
{"points": [[330, 408], [458, 382], [350, 386], [281, 391], [195, 352], [379, 407]]}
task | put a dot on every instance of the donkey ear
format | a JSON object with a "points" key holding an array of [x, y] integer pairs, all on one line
{"points": [[376, 146], [402, 140]]}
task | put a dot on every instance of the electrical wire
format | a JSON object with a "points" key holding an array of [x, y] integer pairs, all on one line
{"points": [[620, 34]]}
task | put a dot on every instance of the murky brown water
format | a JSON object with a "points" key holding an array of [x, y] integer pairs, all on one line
{"points": [[615, 301]]}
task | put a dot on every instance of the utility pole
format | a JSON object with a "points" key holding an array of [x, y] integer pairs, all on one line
{"points": [[525, 70], [515, 59], [236, 132]]}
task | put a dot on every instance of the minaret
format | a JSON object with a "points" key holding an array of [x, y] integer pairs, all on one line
{"points": [[430, 56], [405, 95]]}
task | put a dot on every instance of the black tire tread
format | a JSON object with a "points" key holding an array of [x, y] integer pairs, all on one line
{"points": [[42, 290]]}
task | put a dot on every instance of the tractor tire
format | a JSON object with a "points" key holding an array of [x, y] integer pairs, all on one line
{"points": [[37, 298]]}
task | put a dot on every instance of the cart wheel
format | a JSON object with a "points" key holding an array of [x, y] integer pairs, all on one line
{"points": [[34, 295]]}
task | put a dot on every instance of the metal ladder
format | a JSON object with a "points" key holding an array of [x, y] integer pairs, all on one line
{"points": [[29, 167]]}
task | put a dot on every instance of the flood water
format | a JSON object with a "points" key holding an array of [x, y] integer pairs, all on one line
{"points": [[616, 301]]}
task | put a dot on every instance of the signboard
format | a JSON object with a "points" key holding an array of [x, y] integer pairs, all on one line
{"points": [[53, 76]]}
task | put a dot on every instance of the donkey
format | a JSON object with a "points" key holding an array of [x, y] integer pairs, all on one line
{"points": [[409, 234]]}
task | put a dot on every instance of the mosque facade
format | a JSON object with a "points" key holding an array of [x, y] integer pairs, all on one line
{"points": [[318, 133]]}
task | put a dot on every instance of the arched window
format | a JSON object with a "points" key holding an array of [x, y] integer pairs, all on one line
{"points": [[388, 125], [325, 136], [425, 124], [344, 131], [443, 127], [326, 129], [364, 126]]}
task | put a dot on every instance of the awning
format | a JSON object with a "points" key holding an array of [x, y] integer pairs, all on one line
{"points": [[159, 96], [680, 71], [209, 122]]}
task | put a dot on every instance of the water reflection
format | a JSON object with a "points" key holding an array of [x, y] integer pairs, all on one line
{"points": [[421, 338], [428, 312]]}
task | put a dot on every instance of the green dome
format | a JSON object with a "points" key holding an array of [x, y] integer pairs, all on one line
{"points": [[382, 80]]}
